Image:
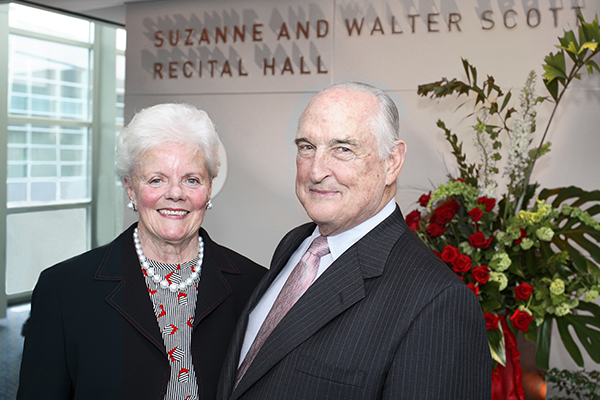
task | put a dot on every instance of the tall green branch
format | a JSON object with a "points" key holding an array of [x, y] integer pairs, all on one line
{"points": [[555, 67]]}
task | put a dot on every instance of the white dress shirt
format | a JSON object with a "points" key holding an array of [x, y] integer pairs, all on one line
{"points": [[338, 244]]}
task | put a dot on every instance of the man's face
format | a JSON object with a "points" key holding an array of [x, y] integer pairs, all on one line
{"points": [[340, 179]]}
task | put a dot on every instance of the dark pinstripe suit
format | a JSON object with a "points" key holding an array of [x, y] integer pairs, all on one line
{"points": [[387, 320]]}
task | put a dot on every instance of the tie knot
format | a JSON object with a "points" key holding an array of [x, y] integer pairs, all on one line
{"points": [[319, 247]]}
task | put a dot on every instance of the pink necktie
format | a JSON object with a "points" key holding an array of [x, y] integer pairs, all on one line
{"points": [[299, 280]]}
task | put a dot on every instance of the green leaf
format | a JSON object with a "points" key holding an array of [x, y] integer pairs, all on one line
{"points": [[552, 87], [466, 66], [591, 64], [552, 73], [569, 43], [506, 100], [568, 342], [497, 346], [587, 329], [588, 45], [542, 355], [571, 230], [591, 31]]}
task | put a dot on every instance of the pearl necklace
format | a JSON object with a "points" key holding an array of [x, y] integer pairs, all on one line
{"points": [[159, 280]]}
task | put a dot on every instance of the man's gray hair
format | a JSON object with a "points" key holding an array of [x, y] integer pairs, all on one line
{"points": [[385, 124]]}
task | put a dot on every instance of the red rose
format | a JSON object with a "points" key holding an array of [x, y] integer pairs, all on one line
{"points": [[462, 264], [523, 291], [476, 214], [523, 236], [444, 213], [459, 180], [478, 240], [474, 288], [412, 220], [521, 320], [435, 230], [449, 254], [491, 321], [487, 202], [424, 199], [481, 274]]}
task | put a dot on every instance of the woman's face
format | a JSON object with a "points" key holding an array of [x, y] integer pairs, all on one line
{"points": [[170, 188]]}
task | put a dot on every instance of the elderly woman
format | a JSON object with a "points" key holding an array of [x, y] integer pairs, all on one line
{"points": [[150, 315]]}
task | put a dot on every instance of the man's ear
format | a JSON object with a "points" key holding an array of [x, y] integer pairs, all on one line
{"points": [[396, 162]]}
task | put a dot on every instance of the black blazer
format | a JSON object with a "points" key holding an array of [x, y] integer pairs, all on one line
{"points": [[93, 333], [387, 320]]}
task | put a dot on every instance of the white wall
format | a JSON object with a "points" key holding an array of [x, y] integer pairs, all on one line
{"points": [[256, 114]]}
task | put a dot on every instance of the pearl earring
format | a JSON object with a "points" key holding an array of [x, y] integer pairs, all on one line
{"points": [[131, 206], [209, 204]]}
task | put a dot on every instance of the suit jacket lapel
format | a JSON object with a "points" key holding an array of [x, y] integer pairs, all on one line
{"points": [[130, 297], [337, 289], [212, 288]]}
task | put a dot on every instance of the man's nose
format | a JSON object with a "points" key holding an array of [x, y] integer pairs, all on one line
{"points": [[320, 167]]}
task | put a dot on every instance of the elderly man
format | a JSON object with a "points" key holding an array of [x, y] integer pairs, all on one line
{"points": [[354, 305]]}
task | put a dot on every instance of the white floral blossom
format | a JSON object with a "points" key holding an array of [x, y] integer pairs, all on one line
{"points": [[500, 262], [499, 277], [557, 287], [486, 182], [562, 310], [518, 154]]}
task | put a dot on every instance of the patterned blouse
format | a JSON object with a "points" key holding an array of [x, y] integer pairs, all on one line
{"points": [[175, 315]]}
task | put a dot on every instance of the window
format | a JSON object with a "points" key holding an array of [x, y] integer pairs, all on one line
{"points": [[57, 125]]}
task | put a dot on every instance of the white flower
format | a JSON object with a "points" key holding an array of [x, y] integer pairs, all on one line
{"points": [[486, 182], [500, 278], [518, 154]]}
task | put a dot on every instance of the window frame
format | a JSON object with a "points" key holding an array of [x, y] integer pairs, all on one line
{"points": [[104, 204]]}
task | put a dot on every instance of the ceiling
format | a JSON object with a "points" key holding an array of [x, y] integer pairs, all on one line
{"points": [[105, 10]]}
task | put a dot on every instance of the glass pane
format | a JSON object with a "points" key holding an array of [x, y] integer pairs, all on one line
{"points": [[18, 104], [19, 86], [15, 136], [40, 156], [71, 139], [121, 39], [16, 171], [57, 235], [43, 170], [48, 79], [72, 155], [43, 88], [36, 20], [72, 190], [41, 135], [120, 89], [43, 191], [72, 170], [17, 154]]}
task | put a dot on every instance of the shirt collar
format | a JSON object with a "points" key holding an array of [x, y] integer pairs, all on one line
{"points": [[341, 242]]}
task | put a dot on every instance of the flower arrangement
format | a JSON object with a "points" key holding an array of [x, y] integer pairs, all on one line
{"points": [[529, 260]]}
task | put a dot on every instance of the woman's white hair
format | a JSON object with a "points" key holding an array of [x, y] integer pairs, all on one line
{"points": [[155, 126], [385, 124]]}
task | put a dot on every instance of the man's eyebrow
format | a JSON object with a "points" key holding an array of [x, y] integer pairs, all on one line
{"points": [[350, 142], [300, 139]]}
